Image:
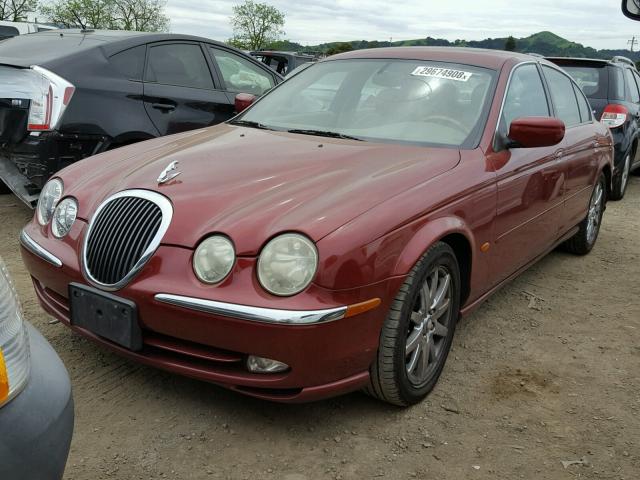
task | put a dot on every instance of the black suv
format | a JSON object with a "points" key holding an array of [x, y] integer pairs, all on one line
{"points": [[69, 94], [612, 87]]}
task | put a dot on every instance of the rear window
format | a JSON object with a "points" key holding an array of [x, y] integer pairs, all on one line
{"points": [[592, 80]]}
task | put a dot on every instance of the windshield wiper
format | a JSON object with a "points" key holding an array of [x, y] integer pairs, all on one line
{"points": [[322, 133], [250, 123]]}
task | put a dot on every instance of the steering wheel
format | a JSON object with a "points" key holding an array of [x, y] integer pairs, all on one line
{"points": [[447, 120]]}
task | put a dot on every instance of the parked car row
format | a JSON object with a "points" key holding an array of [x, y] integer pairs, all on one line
{"points": [[324, 235], [328, 237]]}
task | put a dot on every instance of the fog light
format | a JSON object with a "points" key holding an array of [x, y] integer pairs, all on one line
{"points": [[265, 365]]}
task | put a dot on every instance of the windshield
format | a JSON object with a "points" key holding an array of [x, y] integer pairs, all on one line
{"points": [[411, 101]]}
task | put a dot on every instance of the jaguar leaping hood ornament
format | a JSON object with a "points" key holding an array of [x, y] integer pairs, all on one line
{"points": [[169, 173]]}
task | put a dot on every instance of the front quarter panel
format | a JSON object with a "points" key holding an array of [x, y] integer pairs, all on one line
{"points": [[390, 238]]}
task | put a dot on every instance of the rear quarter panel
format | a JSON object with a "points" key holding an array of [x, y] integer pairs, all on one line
{"points": [[105, 102]]}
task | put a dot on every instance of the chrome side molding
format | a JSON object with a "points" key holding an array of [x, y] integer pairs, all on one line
{"points": [[254, 314], [28, 243]]}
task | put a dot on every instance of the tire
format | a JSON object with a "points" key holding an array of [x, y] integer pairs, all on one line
{"points": [[399, 374], [622, 181], [584, 240]]}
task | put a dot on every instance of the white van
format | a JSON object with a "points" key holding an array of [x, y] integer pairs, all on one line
{"points": [[12, 29]]}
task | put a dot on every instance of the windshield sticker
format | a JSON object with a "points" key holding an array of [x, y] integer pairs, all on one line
{"points": [[445, 73]]}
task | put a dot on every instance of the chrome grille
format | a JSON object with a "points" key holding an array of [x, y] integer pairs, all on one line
{"points": [[123, 234]]}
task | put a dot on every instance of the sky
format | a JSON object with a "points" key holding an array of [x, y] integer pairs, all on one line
{"points": [[595, 23]]}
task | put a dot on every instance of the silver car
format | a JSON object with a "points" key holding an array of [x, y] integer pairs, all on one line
{"points": [[36, 404]]}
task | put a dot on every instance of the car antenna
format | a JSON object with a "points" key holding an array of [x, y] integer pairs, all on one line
{"points": [[83, 27]]}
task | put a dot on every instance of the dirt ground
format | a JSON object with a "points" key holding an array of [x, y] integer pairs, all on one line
{"points": [[548, 370]]}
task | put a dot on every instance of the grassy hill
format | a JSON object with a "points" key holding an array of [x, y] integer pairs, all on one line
{"points": [[544, 43]]}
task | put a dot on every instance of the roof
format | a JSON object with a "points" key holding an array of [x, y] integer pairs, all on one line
{"points": [[493, 59], [280, 52], [44, 47]]}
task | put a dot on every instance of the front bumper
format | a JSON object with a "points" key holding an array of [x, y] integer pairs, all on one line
{"points": [[36, 426], [327, 357]]}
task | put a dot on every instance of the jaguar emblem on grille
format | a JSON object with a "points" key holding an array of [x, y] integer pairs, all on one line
{"points": [[169, 173]]}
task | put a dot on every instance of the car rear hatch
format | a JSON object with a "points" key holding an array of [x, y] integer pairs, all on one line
{"points": [[592, 76]]}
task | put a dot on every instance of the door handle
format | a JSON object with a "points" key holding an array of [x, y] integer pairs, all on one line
{"points": [[166, 107]]}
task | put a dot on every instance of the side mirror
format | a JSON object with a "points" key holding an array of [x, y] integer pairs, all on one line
{"points": [[244, 101], [531, 132], [631, 9]]}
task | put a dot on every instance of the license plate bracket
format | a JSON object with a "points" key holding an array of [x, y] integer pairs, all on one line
{"points": [[106, 315]]}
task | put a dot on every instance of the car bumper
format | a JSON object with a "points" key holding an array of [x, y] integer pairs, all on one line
{"points": [[27, 166], [37, 425], [328, 351]]}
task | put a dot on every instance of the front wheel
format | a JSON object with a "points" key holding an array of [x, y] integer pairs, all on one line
{"points": [[584, 240], [418, 331]]}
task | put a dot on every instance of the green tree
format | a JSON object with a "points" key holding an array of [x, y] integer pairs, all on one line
{"points": [[256, 25], [339, 48], [510, 44], [16, 10], [139, 15]]}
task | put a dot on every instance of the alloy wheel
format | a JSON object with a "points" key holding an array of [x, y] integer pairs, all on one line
{"points": [[429, 326], [595, 213], [625, 174]]}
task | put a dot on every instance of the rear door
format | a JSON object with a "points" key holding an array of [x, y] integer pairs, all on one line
{"points": [[579, 159], [181, 91]]}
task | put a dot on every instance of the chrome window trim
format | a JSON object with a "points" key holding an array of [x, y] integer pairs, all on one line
{"points": [[254, 314], [167, 214], [30, 244]]}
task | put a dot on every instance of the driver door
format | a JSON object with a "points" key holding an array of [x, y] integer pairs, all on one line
{"points": [[530, 182]]}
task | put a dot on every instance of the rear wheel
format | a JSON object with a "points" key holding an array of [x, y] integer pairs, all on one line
{"points": [[583, 241], [418, 331], [620, 184]]}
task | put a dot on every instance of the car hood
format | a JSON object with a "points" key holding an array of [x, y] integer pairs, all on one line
{"points": [[252, 184]]}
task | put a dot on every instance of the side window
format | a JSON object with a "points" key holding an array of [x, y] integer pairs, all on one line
{"points": [[180, 64], [563, 96], [617, 84], [526, 97], [632, 88], [583, 105], [241, 75], [130, 63], [8, 32]]}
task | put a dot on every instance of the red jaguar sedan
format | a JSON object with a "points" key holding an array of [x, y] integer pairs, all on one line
{"points": [[328, 238]]}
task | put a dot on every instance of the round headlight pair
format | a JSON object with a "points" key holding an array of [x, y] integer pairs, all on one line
{"points": [[286, 265], [61, 214]]}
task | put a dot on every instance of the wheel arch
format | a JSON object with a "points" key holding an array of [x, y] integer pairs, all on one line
{"points": [[454, 232]]}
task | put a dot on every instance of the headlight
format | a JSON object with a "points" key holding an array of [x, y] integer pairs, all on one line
{"points": [[49, 198], [287, 264], [214, 259], [64, 216], [14, 341]]}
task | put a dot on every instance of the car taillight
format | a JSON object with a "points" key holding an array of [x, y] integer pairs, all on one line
{"points": [[614, 115], [48, 104]]}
